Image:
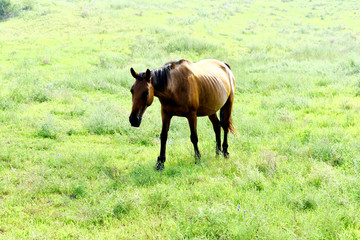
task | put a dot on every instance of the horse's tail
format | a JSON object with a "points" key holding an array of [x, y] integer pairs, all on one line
{"points": [[229, 103], [226, 110], [231, 126], [227, 65]]}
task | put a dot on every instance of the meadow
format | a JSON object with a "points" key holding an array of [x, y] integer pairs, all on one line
{"points": [[72, 167]]}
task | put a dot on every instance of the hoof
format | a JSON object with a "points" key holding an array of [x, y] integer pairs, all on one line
{"points": [[159, 166], [218, 151], [226, 155], [197, 157]]}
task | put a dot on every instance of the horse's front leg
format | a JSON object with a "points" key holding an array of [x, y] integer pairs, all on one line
{"points": [[192, 118], [166, 118]]}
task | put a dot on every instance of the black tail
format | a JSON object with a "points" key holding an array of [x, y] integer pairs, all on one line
{"points": [[227, 65], [231, 126]]}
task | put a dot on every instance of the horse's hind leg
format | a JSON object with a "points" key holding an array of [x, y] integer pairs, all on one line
{"points": [[192, 118], [217, 129], [225, 121]]}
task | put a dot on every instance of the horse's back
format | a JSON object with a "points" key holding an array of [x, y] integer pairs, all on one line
{"points": [[215, 70]]}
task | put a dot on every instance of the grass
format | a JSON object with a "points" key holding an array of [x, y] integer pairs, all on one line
{"points": [[71, 167]]}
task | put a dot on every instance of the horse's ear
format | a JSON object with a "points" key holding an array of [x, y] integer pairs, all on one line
{"points": [[148, 75], [133, 73]]}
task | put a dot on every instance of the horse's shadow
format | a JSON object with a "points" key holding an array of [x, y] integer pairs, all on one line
{"points": [[144, 174]]}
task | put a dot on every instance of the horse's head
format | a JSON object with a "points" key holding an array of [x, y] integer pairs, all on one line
{"points": [[142, 95]]}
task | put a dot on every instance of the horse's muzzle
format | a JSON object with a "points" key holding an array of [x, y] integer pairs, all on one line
{"points": [[134, 121]]}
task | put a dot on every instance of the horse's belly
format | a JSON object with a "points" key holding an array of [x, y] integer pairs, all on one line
{"points": [[211, 103], [206, 112]]}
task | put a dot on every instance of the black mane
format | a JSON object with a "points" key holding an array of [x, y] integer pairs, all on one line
{"points": [[160, 75]]}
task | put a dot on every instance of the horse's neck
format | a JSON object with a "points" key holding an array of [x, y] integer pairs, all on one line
{"points": [[162, 94]]}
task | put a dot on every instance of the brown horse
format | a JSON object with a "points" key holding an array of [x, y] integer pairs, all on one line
{"points": [[188, 90]]}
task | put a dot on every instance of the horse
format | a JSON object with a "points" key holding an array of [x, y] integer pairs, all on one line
{"points": [[188, 90]]}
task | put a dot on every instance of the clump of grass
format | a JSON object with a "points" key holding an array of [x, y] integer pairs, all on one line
{"points": [[5, 9], [268, 164], [185, 44], [6, 103], [108, 79], [327, 151], [85, 11], [313, 52], [305, 136], [48, 129], [352, 68], [24, 93], [160, 199], [40, 95], [320, 175], [304, 203], [77, 191], [17, 96], [121, 209], [188, 20], [71, 131], [103, 119], [209, 223], [27, 5], [144, 176], [46, 61], [8, 10], [254, 180], [5, 155], [119, 6]]}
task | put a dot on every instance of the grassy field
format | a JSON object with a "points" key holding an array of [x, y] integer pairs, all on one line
{"points": [[71, 167]]}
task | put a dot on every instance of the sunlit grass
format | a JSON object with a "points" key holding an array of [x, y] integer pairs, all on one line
{"points": [[72, 167]]}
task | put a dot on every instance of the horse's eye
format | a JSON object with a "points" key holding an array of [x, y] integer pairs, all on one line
{"points": [[132, 91]]}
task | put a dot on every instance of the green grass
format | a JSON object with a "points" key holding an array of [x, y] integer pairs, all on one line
{"points": [[71, 167]]}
